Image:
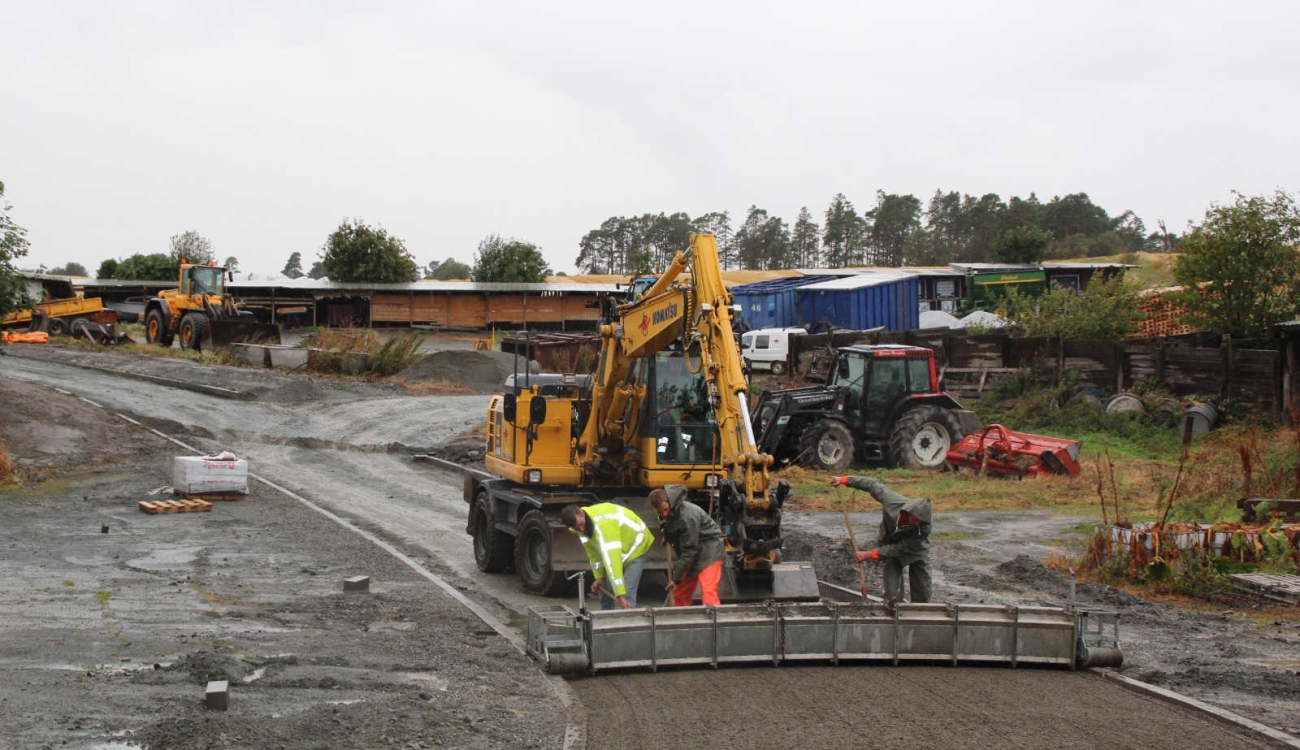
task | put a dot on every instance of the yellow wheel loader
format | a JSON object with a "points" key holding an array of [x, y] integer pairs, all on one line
{"points": [[202, 314]]}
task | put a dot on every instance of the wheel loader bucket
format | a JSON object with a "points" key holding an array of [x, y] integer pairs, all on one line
{"points": [[227, 331]]}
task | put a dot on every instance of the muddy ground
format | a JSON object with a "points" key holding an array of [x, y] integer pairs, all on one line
{"points": [[252, 592]]}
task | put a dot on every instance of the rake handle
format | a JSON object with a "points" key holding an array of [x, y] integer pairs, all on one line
{"points": [[853, 539]]}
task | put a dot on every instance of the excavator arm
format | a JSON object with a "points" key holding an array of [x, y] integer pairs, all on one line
{"points": [[695, 310]]}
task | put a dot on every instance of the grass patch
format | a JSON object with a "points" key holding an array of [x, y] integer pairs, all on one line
{"points": [[207, 357], [103, 596], [6, 464], [67, 582], [1137, 484]]}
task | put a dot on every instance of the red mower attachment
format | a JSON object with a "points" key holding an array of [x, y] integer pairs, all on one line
{"points": [[999, 451]]}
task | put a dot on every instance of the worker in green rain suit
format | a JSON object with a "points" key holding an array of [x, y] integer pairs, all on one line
{"points": [[903, 541]]}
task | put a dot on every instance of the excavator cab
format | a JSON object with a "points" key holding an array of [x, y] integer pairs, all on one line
{"points": [[678, 415]]}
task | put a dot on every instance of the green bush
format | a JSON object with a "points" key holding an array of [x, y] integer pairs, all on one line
{"points": [[395, 355]]}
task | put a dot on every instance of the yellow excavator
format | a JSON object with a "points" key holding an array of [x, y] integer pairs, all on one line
{"points": [[201, 313], [667, 404]]}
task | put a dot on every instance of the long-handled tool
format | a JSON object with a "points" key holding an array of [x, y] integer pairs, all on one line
{"points": [[668, 597], [853, 539]]}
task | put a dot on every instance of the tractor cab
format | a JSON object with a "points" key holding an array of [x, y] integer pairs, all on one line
{"points": [[877, 379], [880, 403]]}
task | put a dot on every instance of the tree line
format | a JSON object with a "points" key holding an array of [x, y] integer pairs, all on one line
{"points": [[898, 230], [1239, 268]]}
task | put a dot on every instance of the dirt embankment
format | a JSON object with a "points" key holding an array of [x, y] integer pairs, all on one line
{"points": [[485, 372]]}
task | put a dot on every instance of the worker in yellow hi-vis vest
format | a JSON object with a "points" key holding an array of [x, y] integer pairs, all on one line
{"points": [[616, 541]]}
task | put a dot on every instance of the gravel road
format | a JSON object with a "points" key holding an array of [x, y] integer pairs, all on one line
{"points": [[346, 446]]}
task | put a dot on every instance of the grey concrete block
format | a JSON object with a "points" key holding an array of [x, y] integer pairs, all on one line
{"points": [[217, 695], [356, 583]]}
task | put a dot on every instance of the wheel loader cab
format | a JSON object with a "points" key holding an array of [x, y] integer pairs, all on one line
{"points": [[203, 280]]}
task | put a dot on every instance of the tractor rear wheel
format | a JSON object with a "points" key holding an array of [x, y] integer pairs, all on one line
{"points": [[922, 437], [829, 446], [491, 547], [193, 328], [155, 329], [533, 556]]}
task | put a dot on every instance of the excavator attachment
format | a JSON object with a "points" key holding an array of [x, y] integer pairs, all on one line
{"points": [[587, 642]]}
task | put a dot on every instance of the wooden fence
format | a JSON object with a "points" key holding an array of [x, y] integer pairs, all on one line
{"points": [[969, 365]]}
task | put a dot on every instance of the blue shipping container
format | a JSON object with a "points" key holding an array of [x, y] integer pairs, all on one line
{"points": [[771, 303], [887, 299]]}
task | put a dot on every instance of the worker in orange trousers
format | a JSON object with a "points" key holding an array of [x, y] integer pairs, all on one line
{"points": [[697, 541]]}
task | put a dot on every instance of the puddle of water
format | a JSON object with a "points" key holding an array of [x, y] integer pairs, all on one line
{"points": [[427, 680], [166, 559], [115, 746]]}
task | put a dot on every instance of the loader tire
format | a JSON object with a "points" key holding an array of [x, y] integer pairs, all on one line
{"points": [[57, 327], [533, 556], [193, 328], [491, 547], [828, 446], [922, 437], [155, 329]]}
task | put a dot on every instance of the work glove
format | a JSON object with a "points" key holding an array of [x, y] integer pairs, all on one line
{"points": [[866, 555], [595, 586], [839, 481]]}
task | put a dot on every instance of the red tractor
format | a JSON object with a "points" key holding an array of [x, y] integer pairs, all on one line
{"points": [[880, 403]]}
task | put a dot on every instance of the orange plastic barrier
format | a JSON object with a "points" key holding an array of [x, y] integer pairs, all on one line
{"points": [[33, 337]]}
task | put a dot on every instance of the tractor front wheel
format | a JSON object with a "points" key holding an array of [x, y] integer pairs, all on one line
{"points": [[922, 437], [828, 446]]}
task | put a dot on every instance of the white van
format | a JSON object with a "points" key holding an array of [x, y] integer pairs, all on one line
{"points": [[768, 348]]}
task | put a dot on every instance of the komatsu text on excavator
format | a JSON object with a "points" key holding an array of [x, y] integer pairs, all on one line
{"points": [[667, 404]]}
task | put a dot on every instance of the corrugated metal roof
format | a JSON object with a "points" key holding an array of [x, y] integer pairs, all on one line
{"points": [[776, 285], [994, 267], [418, 286], [427, 286], [871, 278]]}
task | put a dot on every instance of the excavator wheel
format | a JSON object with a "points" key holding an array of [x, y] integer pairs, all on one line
{"points": [[533, 557], [922, 437], [828, 445], [492, 548], [155, 329], [193, 327]]}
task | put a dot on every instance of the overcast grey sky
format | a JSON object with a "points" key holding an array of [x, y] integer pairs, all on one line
{"points": [[262, 124]]}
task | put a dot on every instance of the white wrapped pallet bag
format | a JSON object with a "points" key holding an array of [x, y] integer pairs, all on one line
{"points": [[222, 473]]}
